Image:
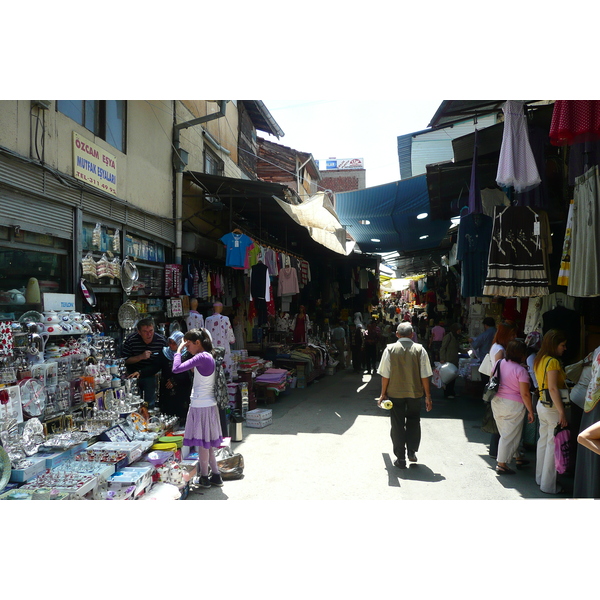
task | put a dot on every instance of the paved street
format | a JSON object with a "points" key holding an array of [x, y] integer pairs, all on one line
{"points": [[330, 441]]}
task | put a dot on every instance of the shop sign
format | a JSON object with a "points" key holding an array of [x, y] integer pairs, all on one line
{"points": [[345, 163], [94, 165], [59, 301]]}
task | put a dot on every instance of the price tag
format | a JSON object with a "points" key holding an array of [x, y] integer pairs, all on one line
{"points": [[536, 228]]}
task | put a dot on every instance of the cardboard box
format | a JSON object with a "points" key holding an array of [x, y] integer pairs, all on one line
{"points": [[259, 414], [259, 424]]}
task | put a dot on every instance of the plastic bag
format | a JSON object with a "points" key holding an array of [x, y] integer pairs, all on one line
{"points": [[562, 449]]}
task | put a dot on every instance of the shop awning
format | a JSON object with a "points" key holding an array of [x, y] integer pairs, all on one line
{"points": [[259, 208], [388, 214]]}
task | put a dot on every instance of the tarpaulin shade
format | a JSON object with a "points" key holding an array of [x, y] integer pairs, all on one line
{"points": [[318, 216], [392, 211]]}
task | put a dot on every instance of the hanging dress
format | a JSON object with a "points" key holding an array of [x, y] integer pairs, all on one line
{"points": [[516, 265], [565, 261], [516, 166], [584, 277], [575, 121]]}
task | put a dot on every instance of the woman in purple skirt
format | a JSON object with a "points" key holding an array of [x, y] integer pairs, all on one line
{"points": [[203, 426]]}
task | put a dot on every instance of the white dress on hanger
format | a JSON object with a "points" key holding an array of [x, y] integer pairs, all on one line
{"points": [[516, 166]]}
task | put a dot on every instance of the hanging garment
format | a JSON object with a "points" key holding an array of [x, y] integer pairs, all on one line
{"points": [[237, 245], [565, 261], [516, 167], [516, 259], [575, 121], [474, 237], [221, 331], [288, 282], [584, 278], [260, 282]]}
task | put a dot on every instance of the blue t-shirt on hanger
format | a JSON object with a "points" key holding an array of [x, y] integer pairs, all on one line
{"points": [[237, 246]]}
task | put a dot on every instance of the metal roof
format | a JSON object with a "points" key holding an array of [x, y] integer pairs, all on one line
{"points": [[391, 210], [451, 111]]}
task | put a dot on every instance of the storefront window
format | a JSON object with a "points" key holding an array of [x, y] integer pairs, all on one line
{"points": [[27, 255], [144, 249]]}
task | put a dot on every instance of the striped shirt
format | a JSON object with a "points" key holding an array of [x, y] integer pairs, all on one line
{"points": [[134, 346]]}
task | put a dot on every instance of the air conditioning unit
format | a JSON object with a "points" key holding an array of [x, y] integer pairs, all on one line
{"points": [[44, 104], [201, 247]]}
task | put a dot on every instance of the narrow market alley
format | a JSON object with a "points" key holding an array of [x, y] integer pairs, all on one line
{"points": [[330, 441]]}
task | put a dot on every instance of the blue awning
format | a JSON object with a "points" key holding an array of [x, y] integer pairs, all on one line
{"points": [[392, 211]]}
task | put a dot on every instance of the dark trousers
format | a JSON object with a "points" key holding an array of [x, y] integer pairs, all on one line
{"points": [[405, 419], [357, 359], [371, 357]]}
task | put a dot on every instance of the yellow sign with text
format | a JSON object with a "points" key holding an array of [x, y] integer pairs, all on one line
{"points": [[94, 165]]}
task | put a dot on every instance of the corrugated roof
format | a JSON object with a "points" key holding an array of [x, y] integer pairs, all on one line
{"points": [[392, 211]]}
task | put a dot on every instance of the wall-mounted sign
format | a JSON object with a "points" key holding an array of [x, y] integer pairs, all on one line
{"points": [[344, 163], [94, 165]]}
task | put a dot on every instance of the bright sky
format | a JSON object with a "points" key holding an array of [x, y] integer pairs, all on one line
{"points": [[366, 129]]}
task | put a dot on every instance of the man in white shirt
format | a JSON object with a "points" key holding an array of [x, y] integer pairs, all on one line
{"points": [[405, 370]]}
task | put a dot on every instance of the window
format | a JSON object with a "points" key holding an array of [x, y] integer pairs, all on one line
{"points": [[213, 165], [104, 118]]}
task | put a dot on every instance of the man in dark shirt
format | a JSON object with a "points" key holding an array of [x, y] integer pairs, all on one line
{"points": [[142, 352]]}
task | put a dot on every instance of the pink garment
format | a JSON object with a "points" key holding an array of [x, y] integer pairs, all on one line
{"points": [[511, 374], [288, 282], [438, 333]]}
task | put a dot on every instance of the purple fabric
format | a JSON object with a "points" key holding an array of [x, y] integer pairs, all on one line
{"points": [[204, 361], [203, 428]]}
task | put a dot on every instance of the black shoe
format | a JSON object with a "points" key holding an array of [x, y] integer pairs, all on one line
{"points": [[216, 479], [401, 464], [412, 456], [204, 481]]}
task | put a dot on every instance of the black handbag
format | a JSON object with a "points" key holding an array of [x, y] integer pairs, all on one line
{"points": [[491, 389]]}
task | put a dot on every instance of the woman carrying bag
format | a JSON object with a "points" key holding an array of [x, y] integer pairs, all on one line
{"points": [[551, 411], [509, 405]]}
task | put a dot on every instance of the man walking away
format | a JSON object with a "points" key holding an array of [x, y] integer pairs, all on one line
{"points": [[405, 370]]}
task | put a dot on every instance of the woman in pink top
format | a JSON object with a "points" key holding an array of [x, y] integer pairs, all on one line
{"points": [[435, 342], [510, 403]]}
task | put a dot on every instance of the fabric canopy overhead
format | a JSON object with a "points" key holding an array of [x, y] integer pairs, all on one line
{"points": [[318, 216], [391, 210]]}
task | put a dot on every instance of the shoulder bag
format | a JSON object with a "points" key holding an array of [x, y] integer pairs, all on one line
{"points": [[491, 389], [545, 397], [486, 365]]}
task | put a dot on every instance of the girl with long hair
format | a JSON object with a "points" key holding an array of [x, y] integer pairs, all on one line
{"points": [[203, 425], [550, 376]]}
